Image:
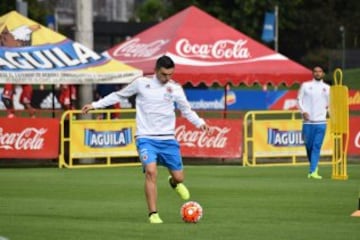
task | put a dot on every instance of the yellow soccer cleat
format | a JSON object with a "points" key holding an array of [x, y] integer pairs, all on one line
{"points": [[155, 218], [314, 175], [181, 190]]}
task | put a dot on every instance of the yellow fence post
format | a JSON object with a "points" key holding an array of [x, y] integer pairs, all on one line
{"points": [[339, 122]]}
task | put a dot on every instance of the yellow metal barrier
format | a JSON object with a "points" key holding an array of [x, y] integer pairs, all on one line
{"points": [[339, 115], [276, 137], [97, 140]]}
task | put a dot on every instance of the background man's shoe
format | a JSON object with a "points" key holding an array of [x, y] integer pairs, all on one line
{"points": [[314, 175]]}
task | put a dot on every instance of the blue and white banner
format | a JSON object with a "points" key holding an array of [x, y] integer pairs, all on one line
{"points": [[285, 138], [268, 34], [34, 54], [65, 55], [108, 139], [214, 99]]}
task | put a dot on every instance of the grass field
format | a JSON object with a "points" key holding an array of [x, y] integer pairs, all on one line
{"points": [[351, 78], [239, 203]]}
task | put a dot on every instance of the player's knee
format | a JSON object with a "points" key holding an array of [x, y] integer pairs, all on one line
{"points": [[151, 173], [178, 178]]}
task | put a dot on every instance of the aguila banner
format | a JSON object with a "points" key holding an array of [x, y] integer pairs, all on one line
{"points": [[223, 141], [28, 138], [283, 138], [94, 138], [33, 54]]}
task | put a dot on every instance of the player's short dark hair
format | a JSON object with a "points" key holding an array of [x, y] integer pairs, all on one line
{"points": [[164, 62], [319, 66]]}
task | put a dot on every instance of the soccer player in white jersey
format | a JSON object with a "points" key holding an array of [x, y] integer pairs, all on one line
{"points": [[313, 101], [155, 127]]}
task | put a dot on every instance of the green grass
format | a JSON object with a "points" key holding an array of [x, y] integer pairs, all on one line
{"points": [[351, 78], [239, 203]]}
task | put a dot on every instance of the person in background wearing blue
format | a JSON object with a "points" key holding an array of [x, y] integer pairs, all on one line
{"points": [[313, 101], [155, 127]]}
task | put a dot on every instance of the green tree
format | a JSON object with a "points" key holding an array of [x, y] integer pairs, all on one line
{"points": [[246, 16], [36, 10], [7, 6], [152, 11], [318, 30]]}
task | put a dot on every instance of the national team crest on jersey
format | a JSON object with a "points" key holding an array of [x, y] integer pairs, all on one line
{"points": [[168, 94]]}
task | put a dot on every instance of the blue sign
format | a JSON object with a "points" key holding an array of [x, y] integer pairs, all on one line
{"points": [[107, 139], [268, 34], [280, 138], [213, 99], [51, 22]]}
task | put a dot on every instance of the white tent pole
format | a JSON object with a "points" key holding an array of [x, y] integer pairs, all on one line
{"points": [[84, 35], [276, 42]]}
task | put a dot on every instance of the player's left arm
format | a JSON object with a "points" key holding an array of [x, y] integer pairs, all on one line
{"points": [[186, 111], [301, 107], [328, 99]]}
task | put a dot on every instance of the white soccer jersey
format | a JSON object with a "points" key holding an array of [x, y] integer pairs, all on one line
{"points": [[313, 98], [155, 109]]}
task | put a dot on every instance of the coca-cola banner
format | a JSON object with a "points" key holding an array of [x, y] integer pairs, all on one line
{"points": [[29, 138], [354, 136], [354, 100], [224, 141]]}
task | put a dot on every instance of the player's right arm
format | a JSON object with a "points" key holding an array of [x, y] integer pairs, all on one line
{"points": [[301, 106], [113, 97], [86, 108]]}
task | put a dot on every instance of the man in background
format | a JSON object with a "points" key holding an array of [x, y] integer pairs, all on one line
{"points": [[67, 96], [7, 97], [313, 101]]}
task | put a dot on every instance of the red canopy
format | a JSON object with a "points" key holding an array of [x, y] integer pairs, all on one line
{"points": [[208, 51]]}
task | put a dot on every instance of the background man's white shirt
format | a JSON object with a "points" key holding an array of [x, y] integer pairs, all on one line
{"points": [[313, 98]]}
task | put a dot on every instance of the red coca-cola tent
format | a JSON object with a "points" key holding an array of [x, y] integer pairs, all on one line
{"points": [[208, 51]]}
